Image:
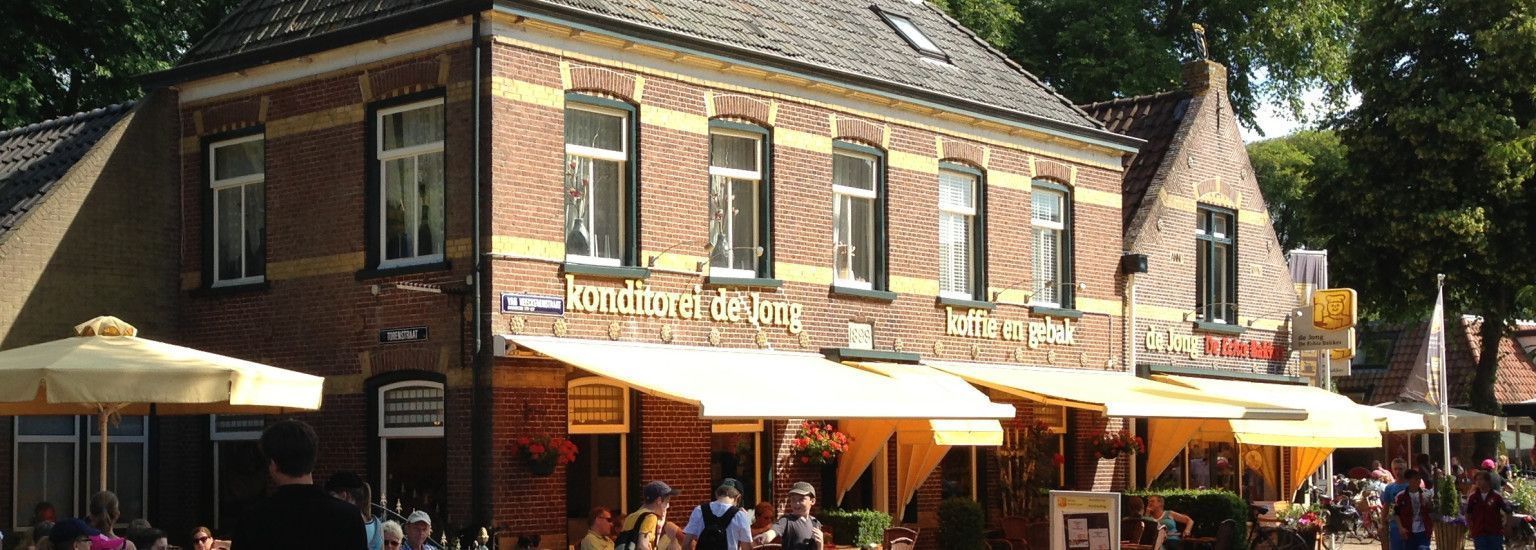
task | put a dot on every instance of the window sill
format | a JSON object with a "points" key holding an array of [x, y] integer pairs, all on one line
{"points": [[965, 303], [606, 271], [382, 272], [229, 290], [1046, 311], [752, 282], [880, 295], [1219, 328], [856, 354]]}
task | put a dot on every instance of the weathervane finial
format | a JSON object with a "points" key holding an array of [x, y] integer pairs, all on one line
{"points": [[1205, 52]]}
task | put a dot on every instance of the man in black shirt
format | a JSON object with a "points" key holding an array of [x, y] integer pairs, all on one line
{"points": [[298, 514], [797, 530]]}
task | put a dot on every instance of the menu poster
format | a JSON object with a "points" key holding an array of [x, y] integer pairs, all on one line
{"points": [[1085, 520]]}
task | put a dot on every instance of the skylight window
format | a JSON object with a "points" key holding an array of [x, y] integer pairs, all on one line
{"points": [[913, 35]]}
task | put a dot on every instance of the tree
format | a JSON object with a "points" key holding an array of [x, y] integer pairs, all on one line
{"points": [[65, 56], [1289, 170], [1444, 140], [1092, 50]]}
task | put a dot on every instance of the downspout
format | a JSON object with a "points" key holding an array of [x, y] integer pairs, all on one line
{"points": [[481, 399], [1130, 360]]}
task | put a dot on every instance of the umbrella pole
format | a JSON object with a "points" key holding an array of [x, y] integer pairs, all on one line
{"points": [[101, 425]]}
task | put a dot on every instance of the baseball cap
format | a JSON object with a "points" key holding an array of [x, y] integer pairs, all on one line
{"points": [[66, 531], [1489, 464], [803, 488], [419, 516], [657, 489], [732, 483]]}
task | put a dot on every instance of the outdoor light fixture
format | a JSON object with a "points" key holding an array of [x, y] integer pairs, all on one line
{"points": [[709, 248]]}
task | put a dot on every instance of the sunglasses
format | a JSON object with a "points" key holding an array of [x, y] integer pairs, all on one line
{"points": [[201, 540], [391, 543]]}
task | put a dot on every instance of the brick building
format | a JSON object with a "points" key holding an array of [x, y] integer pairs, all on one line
{"points": [[1212, 308], [83, 232]]}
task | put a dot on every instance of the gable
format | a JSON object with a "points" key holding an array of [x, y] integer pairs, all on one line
{"points": [[33, 159]]}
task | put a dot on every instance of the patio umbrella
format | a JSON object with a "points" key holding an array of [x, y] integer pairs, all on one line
{"points": [[106, 369], [1461, 421]]}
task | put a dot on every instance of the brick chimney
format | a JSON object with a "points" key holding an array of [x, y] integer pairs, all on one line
{"points": [[1203, 74]]}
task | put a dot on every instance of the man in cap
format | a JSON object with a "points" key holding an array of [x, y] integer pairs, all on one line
{"points": [[351, 489], [720, 524], [72, 534], [645, 524], [298, 515], [418, 532], [798, 529]]}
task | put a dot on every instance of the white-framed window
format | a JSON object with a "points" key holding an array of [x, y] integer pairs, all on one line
{"points": [[958, 215], [734, 452], [410, 156], [597, 158], [1216, 265], [735, 206], [598, 421], [237, 178], [855, 211], [1051, 239], [597, 406], [46, 468], [412, 451], [913, 35], [240, 471], [127, 464]]}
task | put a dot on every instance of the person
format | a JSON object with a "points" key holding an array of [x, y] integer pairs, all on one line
{"points": [[73, 534], [418, 532], [528, 542], [148, 538], [1494, 477], [762, 518], [599, 528], [351, 489], [1505, 470], [1415, 512], [393, 535], [1389, 499], [1168, 522], [798, 529], [720, 524], [671, 536], [298, 515], [1424, 466], [202, 539], [644, 523], [1378, 469], [1485, 513], [103, 512], [44, 511]]}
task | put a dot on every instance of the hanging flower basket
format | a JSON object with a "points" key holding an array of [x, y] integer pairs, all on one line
{"points": [[1110, 445], [542, 454], [819, 444]]}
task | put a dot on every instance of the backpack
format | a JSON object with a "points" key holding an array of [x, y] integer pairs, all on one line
{"points": [[629, 539], [713, 536]]}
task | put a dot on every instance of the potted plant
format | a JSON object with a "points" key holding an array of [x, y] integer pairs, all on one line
{"points": [[819, 444], [1110, 445], [1451, 525], [543, 453], [1306, 521]]}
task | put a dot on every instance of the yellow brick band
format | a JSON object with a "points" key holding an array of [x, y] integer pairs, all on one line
{"points": [[913, 162], [673, 120], [806, 141], [1096, 197], [808, 274], [529, 248], [914, 285], [1008, 181]]}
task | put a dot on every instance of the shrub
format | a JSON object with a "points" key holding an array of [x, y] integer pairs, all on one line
{"points": [[1523, 494], [961, 526], [862, 528], [1207, 507]]}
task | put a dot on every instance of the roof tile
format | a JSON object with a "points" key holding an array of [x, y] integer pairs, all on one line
{"points": [[1154, 118], [33, 158]]}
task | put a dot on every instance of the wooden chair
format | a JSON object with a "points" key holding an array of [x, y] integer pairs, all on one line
{"points": [[901, 543], [1150, 532], [1016, 532], [894, 533], [999, 544], [1130, 530], [1226, 535], [769, 546]]}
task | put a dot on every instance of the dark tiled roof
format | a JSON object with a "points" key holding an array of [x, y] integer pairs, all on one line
{"points": [[1154, 118], [1515, 381], [851, 37], [34, 158], [257, 24]]}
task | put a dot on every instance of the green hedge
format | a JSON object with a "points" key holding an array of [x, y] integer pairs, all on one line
{"points": [[961, 526], [856, 527], [1207, 507]]}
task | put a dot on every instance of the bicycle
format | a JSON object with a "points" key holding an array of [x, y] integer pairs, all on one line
{"points": [[1262, 537]]}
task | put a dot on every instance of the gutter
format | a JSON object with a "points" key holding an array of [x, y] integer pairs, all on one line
{"points": [[482, 399], [730, 53]]}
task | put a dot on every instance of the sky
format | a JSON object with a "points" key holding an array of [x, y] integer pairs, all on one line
{"points": [[1274, 122]]}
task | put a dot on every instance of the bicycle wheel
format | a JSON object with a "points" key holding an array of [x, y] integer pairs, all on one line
{"points": [[1289, 540]]}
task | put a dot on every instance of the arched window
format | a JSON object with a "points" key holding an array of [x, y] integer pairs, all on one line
{"points": [[412, 454], [598, 422]]}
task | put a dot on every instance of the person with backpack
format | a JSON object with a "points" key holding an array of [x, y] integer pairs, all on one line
{"points": [[642, 529], [797, 530], [720, 524]]}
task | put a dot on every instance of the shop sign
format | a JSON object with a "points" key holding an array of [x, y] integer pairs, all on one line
{"points": [[1171, 342], [398, 335], [1082, 520], [978, 323], [536, 304], [1307, 335], [720, 306], [1243, 349]]}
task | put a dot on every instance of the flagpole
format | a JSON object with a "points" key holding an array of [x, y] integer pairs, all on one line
{"points": [[1445, 389]]}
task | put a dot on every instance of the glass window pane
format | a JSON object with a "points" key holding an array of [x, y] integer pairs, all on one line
{"points": [[736, 152], [912, 33], [855, 172], [255, 229], [413, 407], [954, 252], [1047, 205], [44, 472], [956, 473], [578, 192], [238, 159], [591, 129], [46, 425], [607, 209], [429, 192], [719, 226], [862, 220], [397, 201], [1047, 262], [231, 233], [413, 127], [734, 455], [957, 190], [842, 238], [743, 224]]}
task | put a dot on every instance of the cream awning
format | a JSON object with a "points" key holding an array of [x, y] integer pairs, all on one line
{"points": [[1394, 421], [1117, 394], [728, 383], [1332, 419], [1461, 420]]}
